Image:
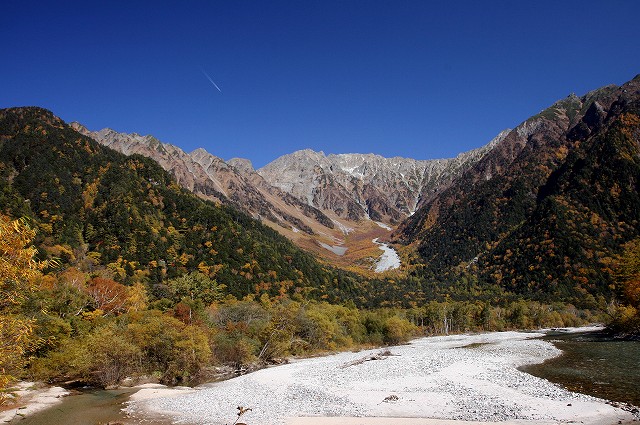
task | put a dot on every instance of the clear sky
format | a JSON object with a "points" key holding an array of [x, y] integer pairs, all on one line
{"points": [[420, 79]]}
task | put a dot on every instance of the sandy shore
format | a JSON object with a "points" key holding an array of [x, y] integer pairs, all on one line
{"points": [[31, 399], [462, 379]]}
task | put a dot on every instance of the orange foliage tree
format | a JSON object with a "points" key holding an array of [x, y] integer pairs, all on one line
{"points": [[109, 296]]}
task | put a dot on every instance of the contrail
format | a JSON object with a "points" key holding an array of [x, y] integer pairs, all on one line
{"points": [[212, 82]]}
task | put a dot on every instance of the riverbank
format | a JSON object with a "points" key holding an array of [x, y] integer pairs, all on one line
{"points": [[594, 363], [30, 398], [472, 378]]}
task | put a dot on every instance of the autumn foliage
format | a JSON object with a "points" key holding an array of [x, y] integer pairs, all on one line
{"points": [[626, 318], [18, 272], [153, 283]]}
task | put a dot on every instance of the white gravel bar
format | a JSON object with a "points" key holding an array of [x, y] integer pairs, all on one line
{"points": [[433, 380], [389, 259]]}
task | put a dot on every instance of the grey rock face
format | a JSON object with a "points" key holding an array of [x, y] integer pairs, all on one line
{"points": [[358, 186]]}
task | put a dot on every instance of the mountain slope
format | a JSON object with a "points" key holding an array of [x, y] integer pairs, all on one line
{"points": [[96, 207], [543, 212], [236, 183], [212, 178]]}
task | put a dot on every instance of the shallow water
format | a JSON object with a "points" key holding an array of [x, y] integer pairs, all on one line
{"points": [[595, 364], [91, 406]]}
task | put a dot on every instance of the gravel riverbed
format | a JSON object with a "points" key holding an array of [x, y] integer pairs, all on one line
{"points": [[461, 377]]}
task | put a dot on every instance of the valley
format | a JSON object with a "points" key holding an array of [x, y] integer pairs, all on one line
{"points": [[296, 213], [145, 251], [332, 206]]}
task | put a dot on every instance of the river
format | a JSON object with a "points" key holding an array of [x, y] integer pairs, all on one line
{"points": [[86, 406], [594, 363], [389, 259]]}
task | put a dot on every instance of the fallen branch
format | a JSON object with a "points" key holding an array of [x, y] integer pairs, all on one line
{"points": [[379, 356]]}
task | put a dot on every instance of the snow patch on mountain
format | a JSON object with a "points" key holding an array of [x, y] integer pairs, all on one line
{"points": [[384, 226], [336, 249]]}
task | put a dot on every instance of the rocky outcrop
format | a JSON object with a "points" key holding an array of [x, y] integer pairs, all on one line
{"points": [[242, 165], [359, 186]]}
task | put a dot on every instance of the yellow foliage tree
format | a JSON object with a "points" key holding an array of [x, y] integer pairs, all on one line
{"points": [[137, 298], [18, 272]]}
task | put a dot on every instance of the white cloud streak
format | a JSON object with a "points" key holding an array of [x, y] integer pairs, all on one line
{"points": [[210, 79]]}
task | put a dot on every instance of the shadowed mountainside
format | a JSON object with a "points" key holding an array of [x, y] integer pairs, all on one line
{"points": [[548, 207]]}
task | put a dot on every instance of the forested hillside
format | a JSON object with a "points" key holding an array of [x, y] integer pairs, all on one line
{"points": [[95, 207], [545, 213]]}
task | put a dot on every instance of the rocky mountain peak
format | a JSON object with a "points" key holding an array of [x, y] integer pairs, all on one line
{"points": [[78, 127], [199, 152], [243, 165], [358, 186]]}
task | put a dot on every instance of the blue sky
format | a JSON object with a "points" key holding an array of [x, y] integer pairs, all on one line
{"points": [[420, 79]]}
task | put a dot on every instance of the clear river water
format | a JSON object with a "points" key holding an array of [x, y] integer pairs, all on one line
{"points": [[88, 406], [594, 363]]}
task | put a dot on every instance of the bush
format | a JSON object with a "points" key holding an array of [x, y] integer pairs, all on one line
{"points": [[398, 330], [234, 349], [108, 356], [168, 346]]}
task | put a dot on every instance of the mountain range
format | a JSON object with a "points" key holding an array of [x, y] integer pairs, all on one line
{"points": [[350, 186], [333, 205], [541, 210]]}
